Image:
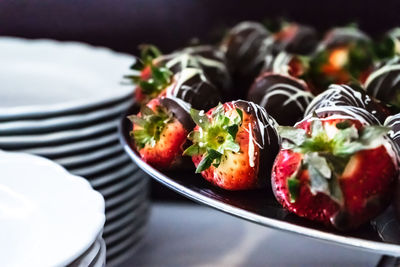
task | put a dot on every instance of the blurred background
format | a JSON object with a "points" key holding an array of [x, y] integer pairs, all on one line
{"points": [[124, 24]]}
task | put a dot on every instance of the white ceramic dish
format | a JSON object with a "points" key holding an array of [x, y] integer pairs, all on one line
{"points": [[63, 121], [119, 186], [126, 230], [134, 213], [124, 249], [100, 260], [86, 158], [112, 202], [72, 148], [132, 204], [58, 137], [102, 180], [89, 256], [47, 215], [70, 77], [101, 166]]}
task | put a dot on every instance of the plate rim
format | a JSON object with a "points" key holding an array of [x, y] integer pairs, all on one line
{"points": [[96, 198], [72, 106]]}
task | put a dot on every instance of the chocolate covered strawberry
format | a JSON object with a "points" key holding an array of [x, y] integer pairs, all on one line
{"points": [[335, 170], [160, 130], [150, 79], [234, 145]]}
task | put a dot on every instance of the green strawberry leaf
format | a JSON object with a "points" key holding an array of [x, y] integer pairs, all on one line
{"points": [[343, 125], [240, 116], [199, 118], [294, 135], [293, 187], [161, 76], [320, 164], [369, 134], [148, 53], [231, 145], [193, 150], [151, 124], [232, 130], [208, 159], [216, 136], [138, 65]]}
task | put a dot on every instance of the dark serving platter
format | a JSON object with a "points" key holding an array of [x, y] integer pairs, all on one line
{"points": [[381, 236]]}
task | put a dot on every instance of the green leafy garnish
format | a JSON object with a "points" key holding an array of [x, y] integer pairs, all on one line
{"points": [[293, 187], [215, 137], [150, 124], [325, 157], [159, 76]]}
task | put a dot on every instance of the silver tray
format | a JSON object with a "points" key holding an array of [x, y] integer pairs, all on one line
{"points": [[381, 236]]}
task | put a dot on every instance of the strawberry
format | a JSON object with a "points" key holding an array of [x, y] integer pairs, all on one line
{"points": [[295, 38], [207, 58], [287, 64], [151, 80], [159, 132], [344, 95], [340, 64], [285, 98], [335, 170], [234, 145]]}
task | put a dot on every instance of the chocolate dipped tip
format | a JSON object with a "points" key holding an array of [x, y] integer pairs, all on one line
{"points": [[285, 98], [343, 36], [266, 137], [180, 110], [345, 95], [192, 86]]}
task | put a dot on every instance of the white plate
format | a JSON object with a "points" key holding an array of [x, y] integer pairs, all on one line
{"points": [[119, 186], [93, 155], [64, 121], [125, 231], [58, 151], [102, 180], [100, 260], [102, 166], [58, 137], [46, 77], [47, 215], [89, 256], [117, 254], [112, 202], [134, 213], [132, 204]]}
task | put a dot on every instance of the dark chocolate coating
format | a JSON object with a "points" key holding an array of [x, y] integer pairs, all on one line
{"points": [[193, 87], [266, 136], [303, 40], [344, 95], [208, 58], [283, 97], [394, 123], [242, 44], [346, 112], [246, 46], [384, 82], [179, 112], [343, 36]]}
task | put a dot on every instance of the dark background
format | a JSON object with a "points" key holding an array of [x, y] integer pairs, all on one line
{"points": [[170, 24]]}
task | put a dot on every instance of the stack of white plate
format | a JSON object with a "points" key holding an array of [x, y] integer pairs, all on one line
{"points": [[63, 101], [48, 216]]}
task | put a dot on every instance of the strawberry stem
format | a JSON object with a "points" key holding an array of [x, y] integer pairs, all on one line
{"points": [[149, 125], [216, 136]]}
